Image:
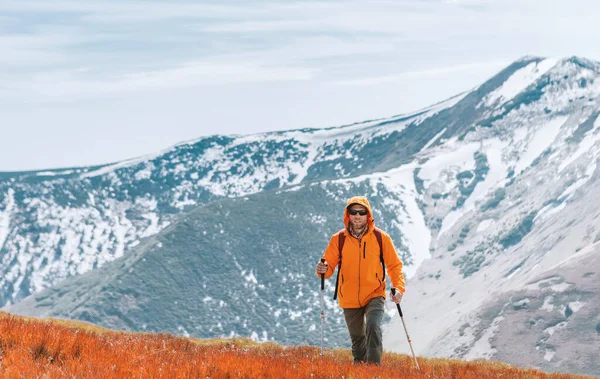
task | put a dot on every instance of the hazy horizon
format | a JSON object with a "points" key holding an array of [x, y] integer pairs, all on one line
{"points": [[87, 83]]}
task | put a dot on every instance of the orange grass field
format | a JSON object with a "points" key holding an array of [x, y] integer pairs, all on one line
{"points": [[40, 348]]}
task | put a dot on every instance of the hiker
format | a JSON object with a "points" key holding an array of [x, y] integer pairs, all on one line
{"points": [[360, 284]]}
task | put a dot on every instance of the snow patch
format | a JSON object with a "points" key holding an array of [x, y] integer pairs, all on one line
{"points": [[549, 355], [561, 287], [144, 173], [576, 305], [127, 163], [54, 173], [183, 331], [548, 211], [539, 141], [179, 168], [250, 277], [483, 225], [417, 235], [570, 191], [482, 349], [318, 219], [497, 173], [432, 141], [585, 146], [547, 306], [519, 81], [455, 160], [9, 205], [552, 329]]}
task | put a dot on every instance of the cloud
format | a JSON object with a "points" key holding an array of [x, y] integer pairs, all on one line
{"points": [[269, 60], [438, 72], [30, 50], [137, 10], [71, 48], [64, 85]]}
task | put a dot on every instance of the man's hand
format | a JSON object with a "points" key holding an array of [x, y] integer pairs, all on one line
{"points": [[322, 268], [397, 298]]}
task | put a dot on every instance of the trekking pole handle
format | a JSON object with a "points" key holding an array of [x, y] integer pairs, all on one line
{"points": [[397, 305], [322, 276]]}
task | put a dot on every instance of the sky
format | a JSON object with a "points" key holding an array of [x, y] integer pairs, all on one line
{"points": [[85, 82]]}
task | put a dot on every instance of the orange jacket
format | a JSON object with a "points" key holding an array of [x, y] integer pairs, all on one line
{"points": [[361, 272]]}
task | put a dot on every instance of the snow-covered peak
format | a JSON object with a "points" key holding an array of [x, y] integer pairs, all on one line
{"points": [[519, 81]]}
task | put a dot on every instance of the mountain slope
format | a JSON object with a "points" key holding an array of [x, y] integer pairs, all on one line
{"points": [[59, 223], [234, 267], [538, 208], [554, 319]]}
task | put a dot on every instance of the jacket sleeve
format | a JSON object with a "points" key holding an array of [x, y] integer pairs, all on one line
{"points": [[393, 263], [331, 255]]}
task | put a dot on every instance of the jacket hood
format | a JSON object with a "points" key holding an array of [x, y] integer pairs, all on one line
{"points": [[362, 200]]}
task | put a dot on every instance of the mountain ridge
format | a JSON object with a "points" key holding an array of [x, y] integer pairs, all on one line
{"points": [[475, 192]]}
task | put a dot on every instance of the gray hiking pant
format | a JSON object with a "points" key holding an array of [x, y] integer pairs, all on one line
{"points": [[364, 326]]}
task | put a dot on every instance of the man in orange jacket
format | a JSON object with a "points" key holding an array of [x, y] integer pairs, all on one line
{"points": [[361, 277]]}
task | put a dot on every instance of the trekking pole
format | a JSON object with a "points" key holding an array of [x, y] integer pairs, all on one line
{"points": [[322, 307], [406, 331]]}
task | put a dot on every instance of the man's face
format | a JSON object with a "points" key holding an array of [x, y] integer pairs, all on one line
{"points": [[357, 219]]}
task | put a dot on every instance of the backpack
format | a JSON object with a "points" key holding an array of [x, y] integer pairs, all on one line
{"points": [[341, 239]]}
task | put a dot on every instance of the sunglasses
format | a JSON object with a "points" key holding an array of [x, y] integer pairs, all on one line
{"points": [[354, 212]]}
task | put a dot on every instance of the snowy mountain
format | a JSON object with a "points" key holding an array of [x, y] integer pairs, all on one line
{"points": [[489, 198], [498, 268], [59, 223]]}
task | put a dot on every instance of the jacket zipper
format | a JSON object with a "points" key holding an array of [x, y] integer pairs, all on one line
{"points": [[365, 251], [364, 254]]}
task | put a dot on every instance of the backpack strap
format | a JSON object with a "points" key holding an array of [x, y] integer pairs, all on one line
{"points": [[380, 242], [341, 239]]}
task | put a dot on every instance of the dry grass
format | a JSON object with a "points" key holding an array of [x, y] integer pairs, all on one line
{"points": [[33, 348]]}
